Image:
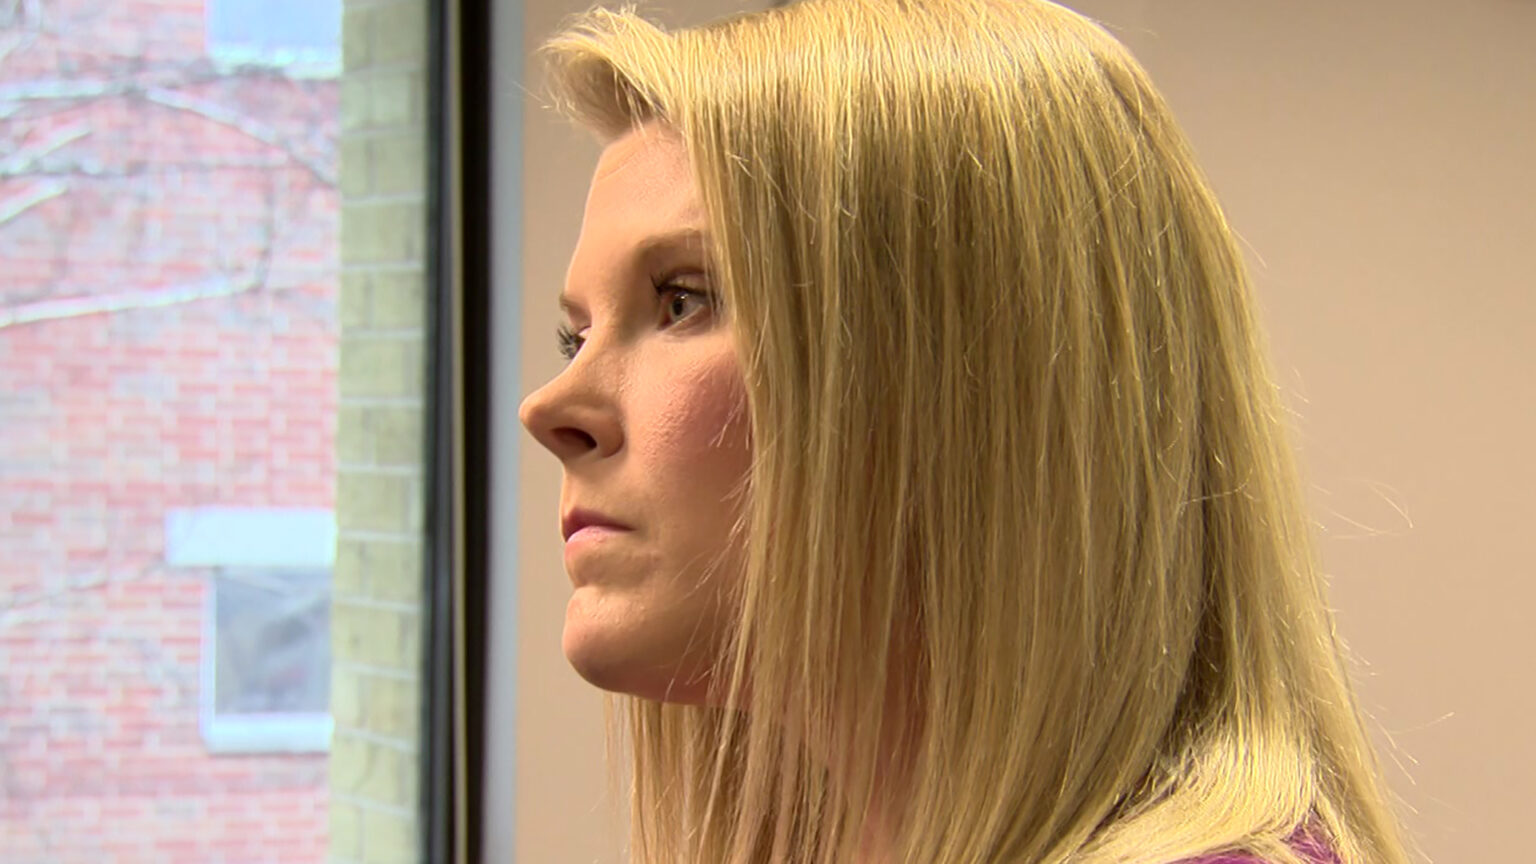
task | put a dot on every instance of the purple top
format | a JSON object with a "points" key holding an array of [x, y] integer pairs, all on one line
{"points": [[1311, 848]]}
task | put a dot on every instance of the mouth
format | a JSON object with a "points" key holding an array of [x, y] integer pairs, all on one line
{"points": [[590, 521]]}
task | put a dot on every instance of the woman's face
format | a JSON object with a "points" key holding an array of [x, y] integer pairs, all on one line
{"points": [[648, 420]]}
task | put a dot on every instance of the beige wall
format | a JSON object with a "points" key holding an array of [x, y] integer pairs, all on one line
{"points": [[1376, 156]]}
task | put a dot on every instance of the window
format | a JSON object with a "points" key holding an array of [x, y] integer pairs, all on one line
{"points": [[269, 650], [294, 34], [217, 360], [265, 669]]}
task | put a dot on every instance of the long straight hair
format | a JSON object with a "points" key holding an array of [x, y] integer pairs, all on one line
{"points": [[1017, 456]]}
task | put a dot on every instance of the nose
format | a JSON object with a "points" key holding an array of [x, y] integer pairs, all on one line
{"points": [[573, 416]]}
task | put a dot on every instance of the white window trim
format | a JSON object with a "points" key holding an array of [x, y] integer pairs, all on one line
{"points": [[247, 537]]}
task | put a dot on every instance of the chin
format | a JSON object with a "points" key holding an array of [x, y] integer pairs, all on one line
{"points": [[620, 654]]}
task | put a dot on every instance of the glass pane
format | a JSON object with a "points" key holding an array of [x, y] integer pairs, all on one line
{"points": [[271, 644], [275, 29], [213, 312]]}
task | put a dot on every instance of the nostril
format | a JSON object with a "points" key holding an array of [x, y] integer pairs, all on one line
{"points": [[575, 439]]}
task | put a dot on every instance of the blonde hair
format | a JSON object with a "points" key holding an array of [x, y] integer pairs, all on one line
{"points": [[1016, 449]]}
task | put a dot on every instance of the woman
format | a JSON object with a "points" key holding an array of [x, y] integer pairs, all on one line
{"points": [[925, 491]]}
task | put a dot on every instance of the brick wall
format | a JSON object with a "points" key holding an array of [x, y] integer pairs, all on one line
{"points": [[178, 330]]}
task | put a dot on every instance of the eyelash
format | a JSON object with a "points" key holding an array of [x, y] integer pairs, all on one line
{"points": [[569, 341]]}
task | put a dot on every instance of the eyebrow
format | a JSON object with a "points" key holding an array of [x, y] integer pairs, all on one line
{"points": [[654, 246]]}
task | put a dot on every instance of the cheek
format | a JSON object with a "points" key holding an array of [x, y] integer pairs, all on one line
{"points": [[655, 633], [691, 428]]}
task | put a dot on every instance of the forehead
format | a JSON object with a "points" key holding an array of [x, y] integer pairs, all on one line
{"points": [[642, 192], [649, 159]]}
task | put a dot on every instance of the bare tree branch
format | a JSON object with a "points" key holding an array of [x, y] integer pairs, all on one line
{"points": [[23, 159], [183, 74], [71, 90], [143, 298], [162, 89], [268, 231], [242, 124], [17, 609], [30, 197], [93, 169]]}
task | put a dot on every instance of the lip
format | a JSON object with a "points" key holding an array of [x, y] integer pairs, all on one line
{"points": [[588, 521]]}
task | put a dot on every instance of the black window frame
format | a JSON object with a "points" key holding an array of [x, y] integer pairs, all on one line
{"points": [[458, 436]]}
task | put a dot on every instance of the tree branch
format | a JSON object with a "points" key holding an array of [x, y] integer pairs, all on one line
{"points": [[22, 161], [243, 124], [160, 90], [186, 74], [144, 298], [30, 197], [93, 169]]}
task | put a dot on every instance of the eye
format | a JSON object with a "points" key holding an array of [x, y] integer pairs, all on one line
{"points": [[679, 303], [569, 341]]}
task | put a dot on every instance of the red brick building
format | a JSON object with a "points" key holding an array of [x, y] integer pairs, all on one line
{"points": [[168, 344]]}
